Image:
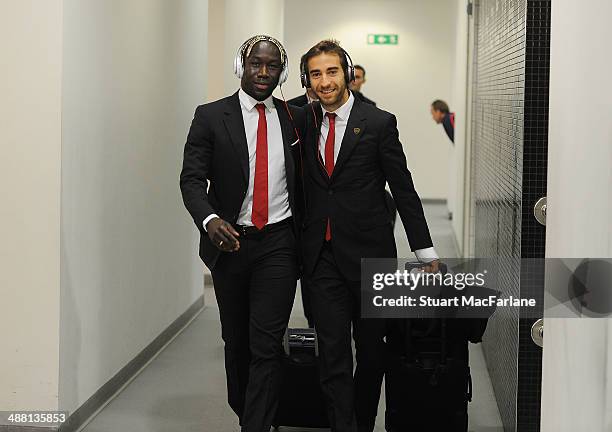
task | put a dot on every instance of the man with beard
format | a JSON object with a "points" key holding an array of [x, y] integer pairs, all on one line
{"points": [[351, 151], [239, 184]]}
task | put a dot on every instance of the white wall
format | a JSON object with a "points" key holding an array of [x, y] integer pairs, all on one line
{"points": [[577, 362], [217, 68], [403, 79], [30, 140], [459, 104], [134, 71], [235, 22]]}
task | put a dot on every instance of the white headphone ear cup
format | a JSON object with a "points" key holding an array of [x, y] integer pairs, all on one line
{"points": [[284, 75], [238, 67]]}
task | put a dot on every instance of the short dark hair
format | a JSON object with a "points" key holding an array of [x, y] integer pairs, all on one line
{"points": [[361, 68], [440, 105], [327, 46]]}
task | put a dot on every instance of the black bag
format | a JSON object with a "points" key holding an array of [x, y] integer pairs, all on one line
{"points": [[301, 401], [428, 383], [470, 320]]}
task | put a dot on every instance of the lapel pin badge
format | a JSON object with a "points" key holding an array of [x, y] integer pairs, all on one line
{"points": [[356, 130]]}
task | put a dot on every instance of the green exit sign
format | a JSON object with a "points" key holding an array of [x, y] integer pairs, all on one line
{"points": [[382, 39]]}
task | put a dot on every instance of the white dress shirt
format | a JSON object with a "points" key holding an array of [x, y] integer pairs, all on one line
{"points": [[342, 116], [278, 196]]}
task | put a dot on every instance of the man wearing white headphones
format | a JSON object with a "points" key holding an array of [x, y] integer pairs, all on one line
{"points": [[239, 184]]}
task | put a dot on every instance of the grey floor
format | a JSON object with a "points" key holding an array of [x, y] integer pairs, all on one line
{"points": [[183, 388]]}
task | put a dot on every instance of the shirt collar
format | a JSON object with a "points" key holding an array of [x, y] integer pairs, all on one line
{"points": [[343, 112], [249, 102]]}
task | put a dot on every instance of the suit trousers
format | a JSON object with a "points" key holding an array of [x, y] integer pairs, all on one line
{"points": [[306, 302], [352, 402], [255, 288]]}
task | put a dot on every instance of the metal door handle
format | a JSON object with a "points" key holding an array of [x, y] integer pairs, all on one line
{"points": [[539, 210], [537, 332]]}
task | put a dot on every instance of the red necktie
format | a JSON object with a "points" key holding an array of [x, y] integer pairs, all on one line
{"points": [[329, 157], [259, 213]]}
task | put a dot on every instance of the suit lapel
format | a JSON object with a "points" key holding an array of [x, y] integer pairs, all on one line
{"points": [[289, 136], [235, 127], [316, 136], [354, 130]]}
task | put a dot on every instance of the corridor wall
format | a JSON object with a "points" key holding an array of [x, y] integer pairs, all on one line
{"points": [[133, 73], [99, 256], [30, 143], [509, 150]]}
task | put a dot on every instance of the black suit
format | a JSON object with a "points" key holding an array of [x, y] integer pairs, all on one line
{"points": [[354, 201], [362, 98], [354, 198], [448, 121], [217, 151], [301, 101], [298, 101], [254, 286]]}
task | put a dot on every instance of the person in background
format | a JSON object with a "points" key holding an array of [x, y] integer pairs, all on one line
{"points": [[239, 183], [304, 99], [355, 86], [441, 114]]}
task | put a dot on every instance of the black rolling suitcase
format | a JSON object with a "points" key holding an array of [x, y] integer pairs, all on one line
{"points": [[301, 402], [428, 383]]}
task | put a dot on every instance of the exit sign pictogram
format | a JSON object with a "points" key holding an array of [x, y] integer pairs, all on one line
{"points": [[382, 39]]}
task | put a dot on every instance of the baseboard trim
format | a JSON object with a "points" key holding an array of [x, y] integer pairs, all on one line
{"points": [[433, 201], [110, 389], [11, 428]]}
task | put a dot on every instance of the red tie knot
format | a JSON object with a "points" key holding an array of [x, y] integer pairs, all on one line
{"points": [[261, 108], [331, 116]]}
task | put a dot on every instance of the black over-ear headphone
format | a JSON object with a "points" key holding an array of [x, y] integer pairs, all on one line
{"points": [[349, 72]]}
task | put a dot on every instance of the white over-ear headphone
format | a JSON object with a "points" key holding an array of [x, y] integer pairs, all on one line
{"points": [[245, 50]]}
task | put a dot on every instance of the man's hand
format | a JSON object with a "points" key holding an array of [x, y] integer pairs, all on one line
{"points": [[223, 235], [432, 267]]}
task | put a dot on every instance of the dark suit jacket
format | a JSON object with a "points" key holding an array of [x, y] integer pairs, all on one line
{"points": [[448, 121], [362, 98], [216, 151], [354, 197], [298, 101]]}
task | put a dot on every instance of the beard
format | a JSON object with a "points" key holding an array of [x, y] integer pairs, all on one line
{"points": [[334, 99]]}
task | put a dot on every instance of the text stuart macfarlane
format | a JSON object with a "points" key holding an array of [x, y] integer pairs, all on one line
{"points": [[457, 301]]}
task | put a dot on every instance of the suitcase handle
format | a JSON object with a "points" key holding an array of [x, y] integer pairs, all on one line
{"points": [[410, 266], [302, 338], [287, 338]]}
